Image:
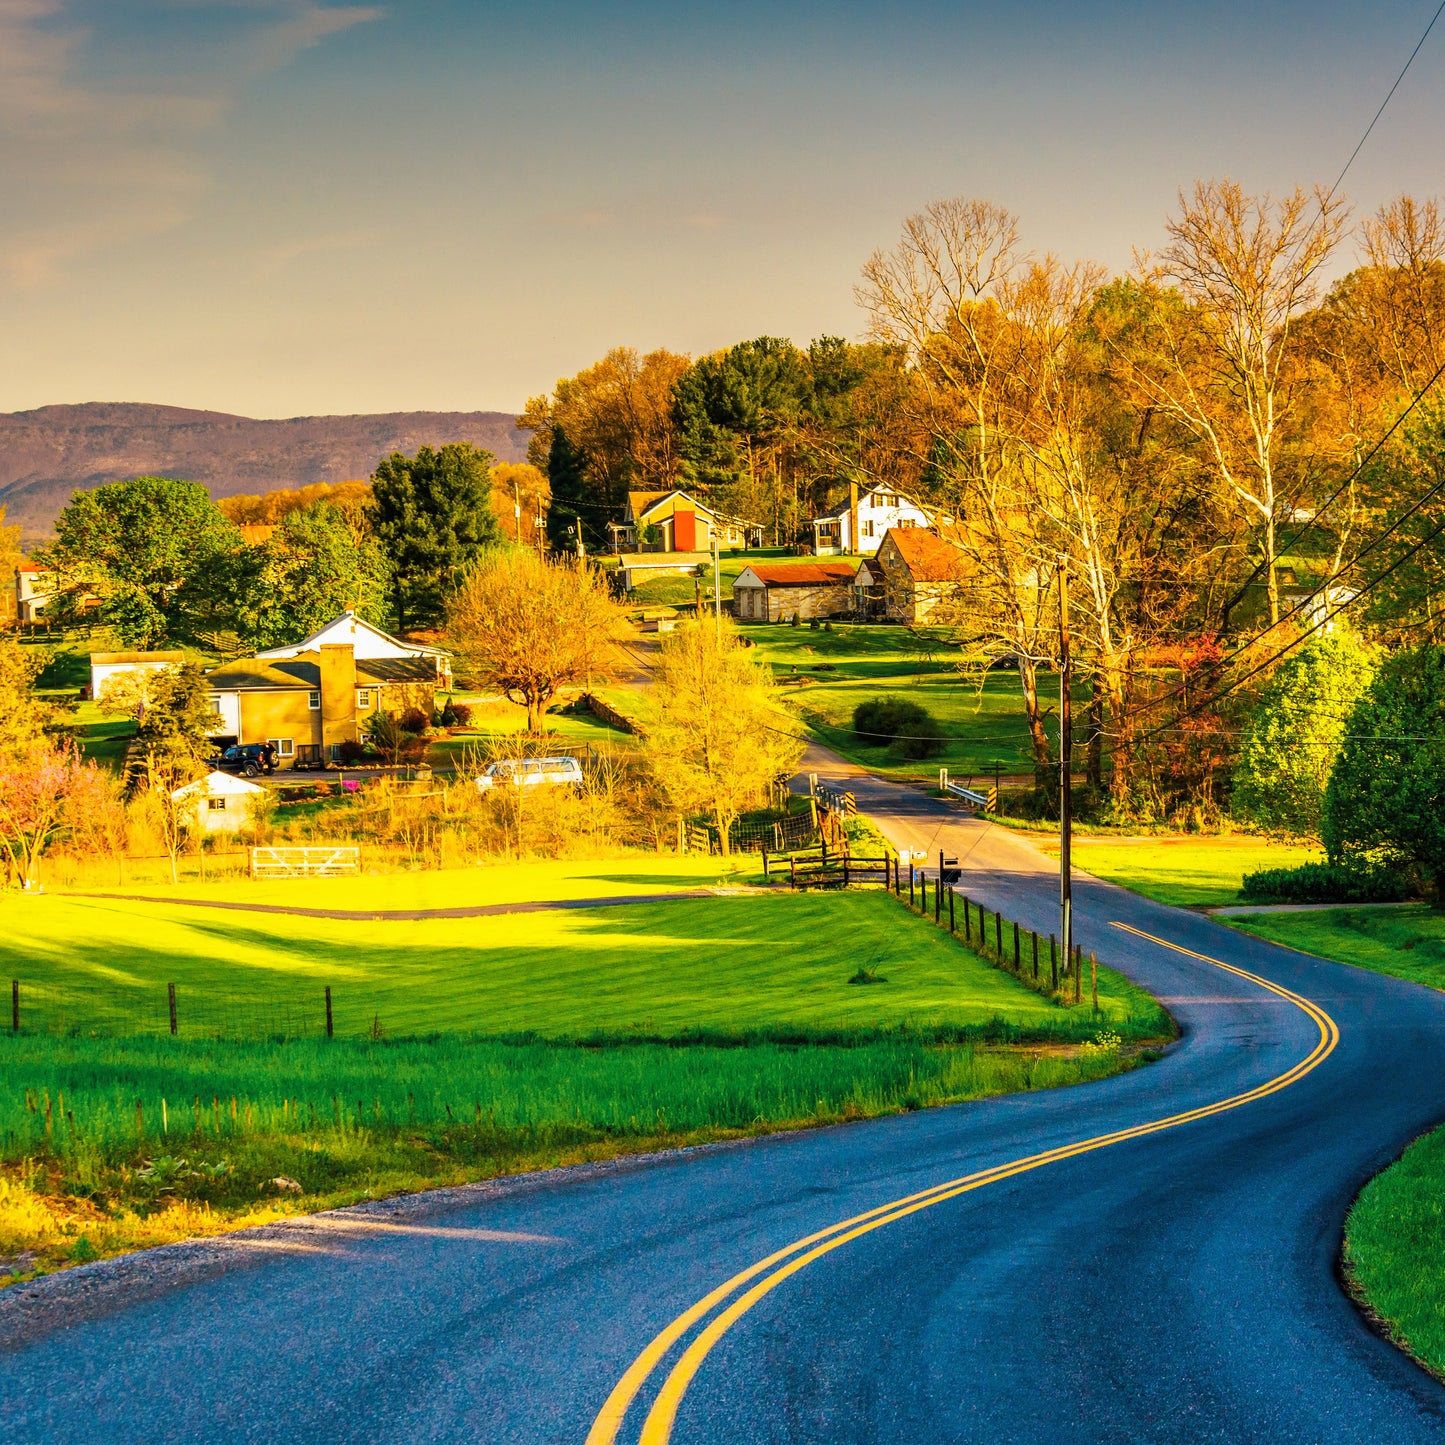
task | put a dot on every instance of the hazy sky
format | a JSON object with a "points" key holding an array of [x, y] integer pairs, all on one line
{"points": [[284, 207]]}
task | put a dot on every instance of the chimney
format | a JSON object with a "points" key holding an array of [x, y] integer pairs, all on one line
{"points": [[854, 544], [338, 693]]}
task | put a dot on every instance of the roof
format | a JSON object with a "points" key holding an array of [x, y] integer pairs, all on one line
{"points": [[355, 624], [799, 574], [111, 659], [641, 501], [255, 533], [844, 507], [925, 555], [262, 674], [216, 784], [394, 669]]}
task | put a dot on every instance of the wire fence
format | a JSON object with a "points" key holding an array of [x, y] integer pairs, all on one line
{"points": [[38, 1006]]}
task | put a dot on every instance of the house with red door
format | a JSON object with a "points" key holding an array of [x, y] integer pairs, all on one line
{"points": [[675, 522]]}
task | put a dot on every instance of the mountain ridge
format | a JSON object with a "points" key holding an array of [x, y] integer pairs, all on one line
{"points": [[50, 452]]}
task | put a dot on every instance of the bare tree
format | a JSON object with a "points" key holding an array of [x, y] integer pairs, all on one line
{"points": [[1247, 268]]}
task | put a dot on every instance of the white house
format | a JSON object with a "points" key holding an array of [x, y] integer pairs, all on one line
{"points": [[878, 510], [34, 587], [368, 643], [219, 802], [105, 667]]}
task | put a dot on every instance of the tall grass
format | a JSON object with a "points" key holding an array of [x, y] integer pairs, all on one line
{"points": [[113, 1144]]}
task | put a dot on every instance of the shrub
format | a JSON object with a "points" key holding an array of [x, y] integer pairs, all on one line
{"points": [[413, 721], [911, 730], [460, 714], [1383, 797], [1328, 883], [1295, 732], [351, 752]]}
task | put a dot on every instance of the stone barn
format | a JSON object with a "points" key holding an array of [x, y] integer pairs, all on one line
{"points": [[784, 590]]}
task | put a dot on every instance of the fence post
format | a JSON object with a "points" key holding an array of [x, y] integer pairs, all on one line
{"points": [[329, 1033], [938, 897], [765, 862], [15, 1005], [1036, 956], [845, 870], [1094, 979], [1078, 972], [1018, 967], [792, 872], [171, 998], [967, 922], [910, 880], [1053, 963], [998, 934], [952, 927]]}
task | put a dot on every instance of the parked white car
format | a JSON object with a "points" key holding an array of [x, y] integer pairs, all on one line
{"points": [[530, 772]]}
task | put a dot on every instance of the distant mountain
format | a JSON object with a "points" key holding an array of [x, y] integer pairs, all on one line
{"points": [[48, 454]]}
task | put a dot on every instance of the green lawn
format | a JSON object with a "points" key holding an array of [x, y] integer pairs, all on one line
{"points": [[466, 1048], [677, 590], [828, 673], [473, 887], [1187, 872], [1406, 942], [775, 963], [1394, 1242]]}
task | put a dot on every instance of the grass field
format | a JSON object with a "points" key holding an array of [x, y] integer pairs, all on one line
{"points": [[1187, 872], [1394, 1241], [1407, 942], [776, 964], [471, 1047], [827, 674]]}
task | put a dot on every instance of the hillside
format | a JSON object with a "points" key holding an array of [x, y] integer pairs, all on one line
{"points": [[47, 454]]}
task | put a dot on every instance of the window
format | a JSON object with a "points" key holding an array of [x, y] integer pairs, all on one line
{"points": [[364, 699], [216, 805], [285, 747], [313, 701], [214, 699], [868, 529]]}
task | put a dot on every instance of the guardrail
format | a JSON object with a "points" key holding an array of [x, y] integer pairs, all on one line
{"points": [[987, 800]]}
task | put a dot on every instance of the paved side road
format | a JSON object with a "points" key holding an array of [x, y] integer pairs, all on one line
{"points": [[1175, 1286]]}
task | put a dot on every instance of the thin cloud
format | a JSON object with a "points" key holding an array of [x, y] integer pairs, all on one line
{"points": [[87, 167], [272, 260]]}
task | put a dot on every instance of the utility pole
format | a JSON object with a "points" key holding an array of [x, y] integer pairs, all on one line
{"points": [[716, 587], [1066, 749], [517, 510]]}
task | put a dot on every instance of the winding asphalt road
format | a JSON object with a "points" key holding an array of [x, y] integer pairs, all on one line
{"points": [[1172, 1285]]}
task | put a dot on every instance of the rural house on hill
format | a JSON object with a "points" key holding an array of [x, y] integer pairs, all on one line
{"points": [[919, 571], [368, 643], [307, 705], [879, 510], [676, 522], [780, 591]]}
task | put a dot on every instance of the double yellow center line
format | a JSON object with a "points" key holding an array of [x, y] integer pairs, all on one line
{"points": [[769, 1273]]}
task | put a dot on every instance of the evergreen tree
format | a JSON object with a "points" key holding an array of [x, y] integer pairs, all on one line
{"points": [[433, 515], [572, 510]]}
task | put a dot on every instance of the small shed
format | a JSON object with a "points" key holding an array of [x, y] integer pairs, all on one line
{"points": [[778, 592], [219, 802], [105, 667]]}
